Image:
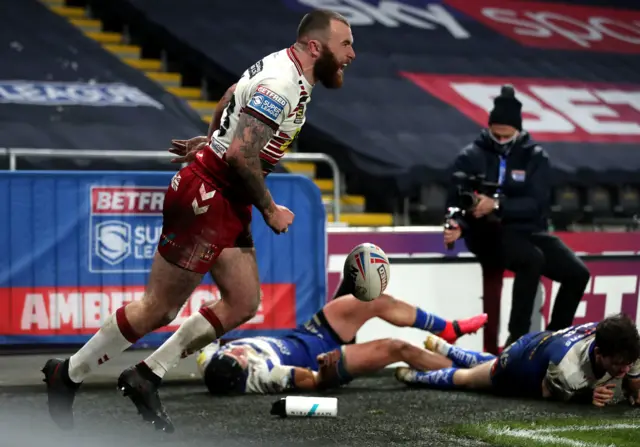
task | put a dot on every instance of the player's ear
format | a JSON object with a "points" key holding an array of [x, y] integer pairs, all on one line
{"points": [[315, 47]]}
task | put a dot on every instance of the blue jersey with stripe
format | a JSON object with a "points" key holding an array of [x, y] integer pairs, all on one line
{"points": [[563, 358], [269, 356]]}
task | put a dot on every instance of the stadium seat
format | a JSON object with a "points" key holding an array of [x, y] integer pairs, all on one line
{"points": [[433, 201], [566, 206], [598, 203], [628, 203]]}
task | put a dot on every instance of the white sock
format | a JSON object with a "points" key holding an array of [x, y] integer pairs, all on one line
{"points": [[437, 344], [195, 333], [106, 344]]}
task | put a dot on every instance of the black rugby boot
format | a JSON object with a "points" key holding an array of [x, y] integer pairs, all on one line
{"points": [[140, 385], [61, 392]]}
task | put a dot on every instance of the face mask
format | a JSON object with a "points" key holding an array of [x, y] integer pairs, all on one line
{"points": [[505, 145]]}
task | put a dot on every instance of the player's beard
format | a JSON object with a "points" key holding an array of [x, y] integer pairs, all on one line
{"points": [[327, 69]]}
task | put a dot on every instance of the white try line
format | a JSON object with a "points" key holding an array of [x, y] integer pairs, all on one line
{"points": [[544, 435]]}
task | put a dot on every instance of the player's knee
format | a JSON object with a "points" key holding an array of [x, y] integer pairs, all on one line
{"points": [[157, 314], [168, 316]]}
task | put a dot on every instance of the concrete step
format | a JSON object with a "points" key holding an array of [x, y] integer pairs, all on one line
{"points": [[186, 92], [146, 65], [104, 37], [69, 12], [325, 185], [124, 51], [364, 219], [303, 168], [165, 79], [87, 25], [204, 108], [348, 204]]}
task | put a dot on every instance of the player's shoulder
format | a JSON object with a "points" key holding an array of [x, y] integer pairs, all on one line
{"points": [[276, 71], [571, 346]]}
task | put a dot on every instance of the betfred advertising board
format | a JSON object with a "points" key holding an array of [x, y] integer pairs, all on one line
{"points": [[126, 224], [552, 110], [79, 245], [43, 314]]}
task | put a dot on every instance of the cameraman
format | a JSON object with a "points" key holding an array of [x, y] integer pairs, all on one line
{"points": [[508, 229]]}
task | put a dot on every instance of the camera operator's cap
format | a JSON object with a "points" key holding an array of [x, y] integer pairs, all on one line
{"points": [[506, 108]]}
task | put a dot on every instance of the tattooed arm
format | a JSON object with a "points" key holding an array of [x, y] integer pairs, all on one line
{"points": [[243, 156], [217, 114]]}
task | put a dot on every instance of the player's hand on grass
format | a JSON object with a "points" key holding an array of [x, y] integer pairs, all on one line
{"points": [[279, 218], [634, 398], [603, 394], [186, 149]]}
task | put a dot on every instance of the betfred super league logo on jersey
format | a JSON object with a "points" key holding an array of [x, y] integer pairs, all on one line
{"points": [[124, 228]]}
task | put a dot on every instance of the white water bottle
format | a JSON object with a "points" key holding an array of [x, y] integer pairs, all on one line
{"points": [[300, 406]]}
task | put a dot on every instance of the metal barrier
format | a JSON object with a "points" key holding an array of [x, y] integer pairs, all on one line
{"points": [[14, 153]]}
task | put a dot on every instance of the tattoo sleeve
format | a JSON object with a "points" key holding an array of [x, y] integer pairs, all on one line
{"points": [[217, 114], [244, 156]]}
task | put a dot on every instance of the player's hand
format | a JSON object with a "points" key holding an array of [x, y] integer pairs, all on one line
{"points": [[186, 150], [327, 369], [484, 206], [453, 234], [633, 395], [279, 219], [603, 394]]}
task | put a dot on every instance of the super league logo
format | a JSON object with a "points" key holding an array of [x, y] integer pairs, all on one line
{"points": [[113, 241]]}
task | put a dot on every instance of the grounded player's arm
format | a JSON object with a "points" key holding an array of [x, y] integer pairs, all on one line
{"points": [[243, 156], [217, 114], [631, 384], [304, 379], [555, 384], [282, 377], [632, 389]]}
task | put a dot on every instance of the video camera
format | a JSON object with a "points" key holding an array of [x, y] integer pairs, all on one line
{"points": [[467, 187], [470, 185]]}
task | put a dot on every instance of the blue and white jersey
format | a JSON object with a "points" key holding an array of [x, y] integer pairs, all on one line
{"points": [[272, 359], [266, 371], [562, 359]]}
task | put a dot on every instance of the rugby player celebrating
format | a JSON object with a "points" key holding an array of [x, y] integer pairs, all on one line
{"points": [[206, 221]]}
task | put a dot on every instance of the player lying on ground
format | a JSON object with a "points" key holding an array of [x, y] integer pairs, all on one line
{"points": [[576, 363], [322, 353], [206, 224]]}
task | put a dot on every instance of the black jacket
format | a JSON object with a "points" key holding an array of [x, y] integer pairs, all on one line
{"points": [[526, 191]]}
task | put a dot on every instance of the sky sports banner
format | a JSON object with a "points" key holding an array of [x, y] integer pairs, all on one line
{"points": [[552, 109], [543, 25], [78, 245]]}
